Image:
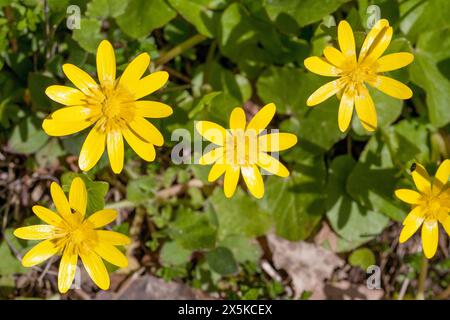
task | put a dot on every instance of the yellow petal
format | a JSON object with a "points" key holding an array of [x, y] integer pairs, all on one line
{"points": [[75, 114], [272, 165], [149, 84], [47, 215], [334, 56], [66, 95], [442, 174], [253, 180], [216, 171], [238, 119], [143, 149], [379, 46], [111, 254], [394, 61], [39, 253], [416, 213], [262, 118], [58, 128], [36, 232], [82, 80], [231, 180], [134, 71], [95, 268], [365, 109], [146, 131], [211, 156], [346, 109], [430, 238], [60, 201], [346, 39], [112, 237], [320, 66], [408, 196], [324, 92], [106, 63], [102, 218], [421, 179], [67, 268], [371, 37], [411, 224], [114, 143], [276, 141], [152, 109], [392, 87], [78, 196], [92, 149], [212, 132]]}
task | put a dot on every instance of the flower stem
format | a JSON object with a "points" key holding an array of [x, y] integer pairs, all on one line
{"points": [[422, 277], [179, 49]]}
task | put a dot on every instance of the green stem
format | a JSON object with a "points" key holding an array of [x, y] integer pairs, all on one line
{"points": [[422, 277], [179, 49], [120, 205]]}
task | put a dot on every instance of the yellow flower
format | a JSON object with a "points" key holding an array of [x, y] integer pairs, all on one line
{"points": [[354, 72], [429, 205], [69, 234], [112, 106], [243, 148]]}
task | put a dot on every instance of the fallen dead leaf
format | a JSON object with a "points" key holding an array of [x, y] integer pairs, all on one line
{"points": [[308, 265], [344, 290], [148, 287]]}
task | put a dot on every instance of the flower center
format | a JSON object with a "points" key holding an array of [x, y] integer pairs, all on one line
{"points": [[117, 108], [436, 205], [111, 108], [81, 233], [242, 148], [358, 73]]}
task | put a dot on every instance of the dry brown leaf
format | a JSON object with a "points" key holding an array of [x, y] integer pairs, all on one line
{"points": [[308, 265]]}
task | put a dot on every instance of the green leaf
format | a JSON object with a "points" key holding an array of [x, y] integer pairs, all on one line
{"points": [[9, 264], [289, 88], [239, 215], [106, 8], [89, 35], [243, 248], [432, 58], [96, 190], [252, 42], [420, 16], [27, 137], [350, 220], [141, 189], [362, 258], [193, 230], [297, 203], [37, 83], [224, 80], [372, 181], [48, 155], [199, 14], [142, 16], [303, 12], [221, 260], [173, 254], [408, 140], [216, 107]]}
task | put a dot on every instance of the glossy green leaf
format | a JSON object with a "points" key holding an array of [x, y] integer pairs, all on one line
{"points": [[142, 16], [297, 203]]}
